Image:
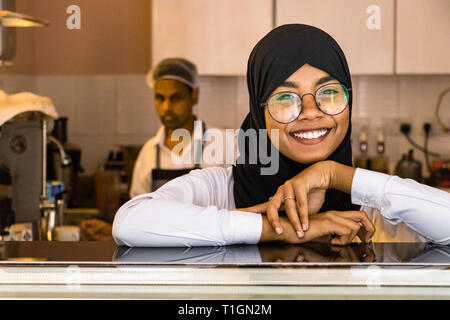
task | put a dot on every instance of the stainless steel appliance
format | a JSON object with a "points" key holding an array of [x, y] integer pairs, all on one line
{"points": [[408, 167], [23, 175], [9, 21]]}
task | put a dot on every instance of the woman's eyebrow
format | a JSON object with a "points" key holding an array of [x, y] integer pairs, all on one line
{"points": [[289, 84], [324, 79]]}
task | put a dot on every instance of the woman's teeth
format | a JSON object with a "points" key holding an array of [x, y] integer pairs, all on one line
{"points": [[310, 134]]}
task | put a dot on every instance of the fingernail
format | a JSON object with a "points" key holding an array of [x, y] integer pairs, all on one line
{"points": [[300, 234], [278, 230], [305, 227], [300, 258]]}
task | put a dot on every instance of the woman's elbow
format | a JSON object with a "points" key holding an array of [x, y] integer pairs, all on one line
{"points": [[137, 223], [119, 231], [122, 224]]}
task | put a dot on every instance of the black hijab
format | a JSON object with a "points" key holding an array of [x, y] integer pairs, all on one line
{"points": [[274, 58]]}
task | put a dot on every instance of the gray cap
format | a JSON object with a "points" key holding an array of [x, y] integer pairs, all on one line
{"points": [[176, 69]]}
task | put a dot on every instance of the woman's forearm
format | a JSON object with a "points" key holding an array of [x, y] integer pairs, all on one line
{"points": [[147, 222], [289, 235]]}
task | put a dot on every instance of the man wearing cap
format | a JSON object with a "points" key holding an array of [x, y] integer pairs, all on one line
{"points": [[175, 85]]}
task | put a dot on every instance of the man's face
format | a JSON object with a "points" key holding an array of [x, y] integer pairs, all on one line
{"points": [[174, 101]]}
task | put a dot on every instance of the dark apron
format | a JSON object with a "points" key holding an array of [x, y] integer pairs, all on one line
{"points": [[161, 176]]}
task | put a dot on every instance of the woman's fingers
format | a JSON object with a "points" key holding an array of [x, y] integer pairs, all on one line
{"points": [[360, 216], [290, 206], [272, 211], [355, 227], [354, 221], [301, 199], [340, 231], [344, 229]]}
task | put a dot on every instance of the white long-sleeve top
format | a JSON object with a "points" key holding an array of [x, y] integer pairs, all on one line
{"points": [[195, 210]]}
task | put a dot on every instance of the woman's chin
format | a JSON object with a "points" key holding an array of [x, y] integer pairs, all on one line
{"points": [[307, 155], [308, 160]]}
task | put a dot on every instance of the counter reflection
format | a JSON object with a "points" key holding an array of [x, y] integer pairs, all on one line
{"points": [[414, 253]]}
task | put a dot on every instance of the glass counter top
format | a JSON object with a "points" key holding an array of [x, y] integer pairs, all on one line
{"points": [[312, 254]]}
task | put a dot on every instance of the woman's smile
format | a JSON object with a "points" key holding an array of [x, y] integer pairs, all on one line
{"points": [[312, 136]]}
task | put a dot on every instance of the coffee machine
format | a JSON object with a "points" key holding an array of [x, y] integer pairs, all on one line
{"points": [[58, 169], [21, 170]]}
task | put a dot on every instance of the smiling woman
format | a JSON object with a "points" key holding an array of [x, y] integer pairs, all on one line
{"points": [[299, 85], [322, 121]]}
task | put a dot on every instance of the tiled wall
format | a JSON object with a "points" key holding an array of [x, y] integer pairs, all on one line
{"points": [[386, 101], [111, 110]]}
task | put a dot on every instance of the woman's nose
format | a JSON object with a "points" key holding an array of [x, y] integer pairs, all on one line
{"points": [[309, 108]]}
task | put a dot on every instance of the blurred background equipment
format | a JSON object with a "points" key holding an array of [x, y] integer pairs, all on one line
{"points": [[380, 162], [23, 122], [444, 127], [112, 187], [64, 161], [408, 167], [9, 21], [363, 160]]}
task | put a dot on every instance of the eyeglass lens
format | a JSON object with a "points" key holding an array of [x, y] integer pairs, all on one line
{"points": [[285, 107]]}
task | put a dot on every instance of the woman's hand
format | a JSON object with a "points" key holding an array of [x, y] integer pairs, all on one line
{"points": [[304, 194], [335, 227]]}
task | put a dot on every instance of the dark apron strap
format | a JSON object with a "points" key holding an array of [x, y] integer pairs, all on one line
{"points": [[198, 143], [158, 151], [161, 176], [196, 148]]}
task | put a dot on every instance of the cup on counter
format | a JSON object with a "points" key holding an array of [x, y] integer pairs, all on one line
{"points": [[21, 232], [67, 233]]}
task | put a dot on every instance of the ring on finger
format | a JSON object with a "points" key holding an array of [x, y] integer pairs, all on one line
{"points": [[289, 198]]}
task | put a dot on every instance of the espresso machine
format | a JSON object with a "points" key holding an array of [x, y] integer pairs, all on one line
{"points": [[21, 172], [27, 211]]}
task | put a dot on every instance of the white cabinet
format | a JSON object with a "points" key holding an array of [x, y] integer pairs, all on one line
{"points": [[423, 37], [363, 28], [216, 35]]}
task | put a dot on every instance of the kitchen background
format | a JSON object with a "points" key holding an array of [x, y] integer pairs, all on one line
{"points": [[96, 75]]}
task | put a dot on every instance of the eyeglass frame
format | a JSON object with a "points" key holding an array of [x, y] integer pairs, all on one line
{"points": [[265, 104]]}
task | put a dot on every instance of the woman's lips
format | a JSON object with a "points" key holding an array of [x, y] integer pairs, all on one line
{"points": [[311, 136]]}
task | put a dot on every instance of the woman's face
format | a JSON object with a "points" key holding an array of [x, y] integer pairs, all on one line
{"points": [[293, 142]]}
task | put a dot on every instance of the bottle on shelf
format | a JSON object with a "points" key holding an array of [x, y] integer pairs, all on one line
{"points": [[363, 160], [380, 161]]}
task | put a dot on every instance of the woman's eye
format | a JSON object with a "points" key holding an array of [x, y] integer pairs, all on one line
{"points": [[329, 91], [284, 97]]}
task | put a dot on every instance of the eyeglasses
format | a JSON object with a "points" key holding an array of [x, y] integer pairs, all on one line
{"points": [[286, 106]]}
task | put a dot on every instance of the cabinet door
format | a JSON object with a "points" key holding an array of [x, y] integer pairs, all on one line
{"points": [[363, 28], [217, 36], [423, 37]]}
